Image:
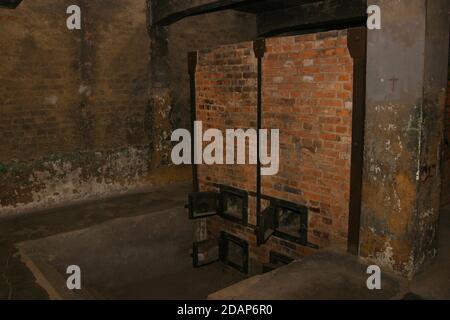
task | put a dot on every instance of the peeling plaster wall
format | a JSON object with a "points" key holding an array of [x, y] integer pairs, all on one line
{"points": [[426, 220], [405, 102], [75, 118]]}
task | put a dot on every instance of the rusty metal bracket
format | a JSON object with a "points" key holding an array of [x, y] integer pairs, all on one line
{"points": [[357, 42], [357, 45]]}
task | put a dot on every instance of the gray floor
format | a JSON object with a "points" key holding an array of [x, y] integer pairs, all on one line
{"points": [[85, 219]]}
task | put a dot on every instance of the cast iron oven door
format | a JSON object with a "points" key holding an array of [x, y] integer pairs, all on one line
{"points": [[228, 249], [233, 252], [205, 253], [230, 204], [267, 224]]}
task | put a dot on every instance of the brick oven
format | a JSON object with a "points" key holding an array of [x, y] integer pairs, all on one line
{"points": [[303, 86]]}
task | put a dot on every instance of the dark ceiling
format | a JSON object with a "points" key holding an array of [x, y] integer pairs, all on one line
{"points": [[11, 4]]}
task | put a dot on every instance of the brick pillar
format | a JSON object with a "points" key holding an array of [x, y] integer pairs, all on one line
{"points": [[406, 86]]}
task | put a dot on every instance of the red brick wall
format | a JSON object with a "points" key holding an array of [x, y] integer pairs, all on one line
{"points": [[195, 33], [64, 91], [77, 118], [307, 94]]}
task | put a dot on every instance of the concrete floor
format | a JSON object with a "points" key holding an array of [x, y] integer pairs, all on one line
{"points": [[16, 280], [94, 234], [60, 226]]}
